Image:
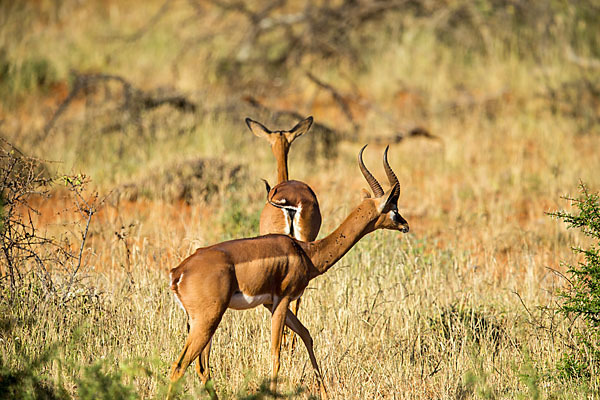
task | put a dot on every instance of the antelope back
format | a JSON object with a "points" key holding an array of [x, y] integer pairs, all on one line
{"points": [[293, 209]]}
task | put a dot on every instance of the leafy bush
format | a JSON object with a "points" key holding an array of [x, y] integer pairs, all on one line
{"points": [[96, 383], [582, 298]]}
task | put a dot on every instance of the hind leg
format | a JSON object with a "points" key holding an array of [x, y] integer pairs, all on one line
{"points": [[203, 370], [201, 331], [294, 324]]}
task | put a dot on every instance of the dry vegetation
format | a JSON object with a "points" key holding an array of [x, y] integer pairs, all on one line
{"points": [[148, 99]]}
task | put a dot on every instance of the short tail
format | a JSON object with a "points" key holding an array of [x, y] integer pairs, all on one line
{"points": [[176, 276]]}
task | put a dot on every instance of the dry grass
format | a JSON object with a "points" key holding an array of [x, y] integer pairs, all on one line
{"points": [[471, 288]]}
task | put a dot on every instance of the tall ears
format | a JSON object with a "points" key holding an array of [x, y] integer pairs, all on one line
{"points": [[365, 194], [262, 131], [388, 198], [258, 129], [300, 128]]}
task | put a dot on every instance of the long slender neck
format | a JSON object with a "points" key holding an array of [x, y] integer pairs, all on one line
{"points": [[280, 148], [326, 252], [282, 169]]}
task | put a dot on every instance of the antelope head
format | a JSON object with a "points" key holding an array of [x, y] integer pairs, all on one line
{"points": [[386, 203], [280, 140]]}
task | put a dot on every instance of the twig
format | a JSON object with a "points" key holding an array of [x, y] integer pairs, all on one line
{"points": [[539, 325], [560, 274], [417, 131], [133, 97], [339, 99]]}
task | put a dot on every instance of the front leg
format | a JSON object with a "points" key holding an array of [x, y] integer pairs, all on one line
{"points": [[294, 307], [279, 311], [294, 324]]}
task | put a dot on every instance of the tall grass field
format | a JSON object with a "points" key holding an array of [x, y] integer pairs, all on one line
{"points": [[124, 148]]}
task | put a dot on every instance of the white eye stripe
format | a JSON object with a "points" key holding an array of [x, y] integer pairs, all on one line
{"points": [[394, 216]]}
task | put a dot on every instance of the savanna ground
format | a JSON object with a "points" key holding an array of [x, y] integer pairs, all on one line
{"points": [[492, 110]]}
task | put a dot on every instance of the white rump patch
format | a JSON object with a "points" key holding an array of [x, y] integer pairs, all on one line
{"points": [[175, 294], [241, 301], [178, 280], [179, 302]]}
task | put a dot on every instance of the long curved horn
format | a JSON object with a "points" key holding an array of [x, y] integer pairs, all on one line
{"points": [[390, 174], [375, 186]]}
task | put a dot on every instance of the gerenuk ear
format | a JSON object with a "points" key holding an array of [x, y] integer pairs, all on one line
{"points": [[387, 199], [364, 194], [300, 128], [258, 129]]}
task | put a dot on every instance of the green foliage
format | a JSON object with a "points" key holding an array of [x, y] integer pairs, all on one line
{"points": [[571, 367], [530, 376], [30, 379], [25, 379], [28, 382], [582, 298], [458, 320], [237, 222], [476, 382], [43, 371], [264, 392], [98, 383], [18, 77]]}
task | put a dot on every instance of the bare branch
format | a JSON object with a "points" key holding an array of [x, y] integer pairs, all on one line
{"points": [[134, 99], [339, 99]]}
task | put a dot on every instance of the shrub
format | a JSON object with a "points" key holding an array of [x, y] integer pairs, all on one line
{"points": [[582, 298]]}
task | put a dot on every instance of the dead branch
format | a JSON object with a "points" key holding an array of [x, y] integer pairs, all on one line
{"points": [[320, 28], [343, 104], [467, 101], [134, 99], [339, 99], [418, 131]]}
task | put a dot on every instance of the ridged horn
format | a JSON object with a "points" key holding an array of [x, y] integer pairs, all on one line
{"points": [[390, 174], [375, 186]]}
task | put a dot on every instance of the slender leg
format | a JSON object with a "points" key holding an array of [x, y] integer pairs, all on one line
{"points": [[295, 307], [277, 323], [295, 325], [199, 337], [203, 370]]}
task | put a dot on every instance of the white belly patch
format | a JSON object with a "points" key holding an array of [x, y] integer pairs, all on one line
{"points": [[241, 301]]}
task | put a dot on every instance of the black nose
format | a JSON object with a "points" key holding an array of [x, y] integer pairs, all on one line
{"points": [[404, 228]]}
